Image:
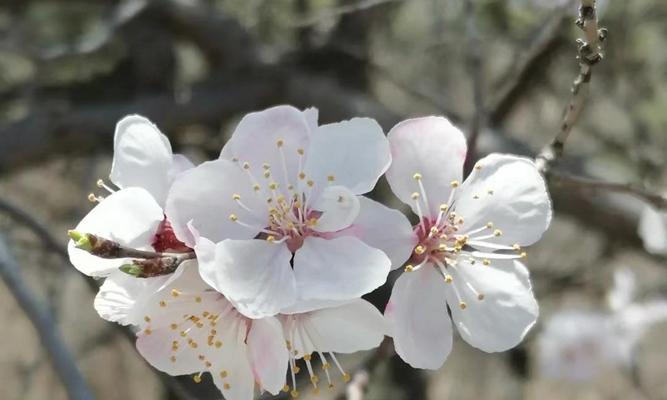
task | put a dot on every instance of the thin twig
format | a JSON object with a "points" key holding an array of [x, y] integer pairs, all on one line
{"points": [[474, 65], [590, 53], [584, 183], [23, 217], [529, 66], [63, 362], [340, 11]]}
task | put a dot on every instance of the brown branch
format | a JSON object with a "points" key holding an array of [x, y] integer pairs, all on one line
{"points": [[529, 67], [474, 65], [590, 53], [586, 184]]}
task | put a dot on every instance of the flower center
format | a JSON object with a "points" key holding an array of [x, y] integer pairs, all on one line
{"points": [[290, 215], [301, 339]]}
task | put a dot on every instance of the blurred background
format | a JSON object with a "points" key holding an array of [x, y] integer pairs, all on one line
{"points": [[69, 69]]}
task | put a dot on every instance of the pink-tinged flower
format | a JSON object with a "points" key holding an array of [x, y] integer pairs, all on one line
{"points": [[186, 327], [275, 212], [469, 239], [578, 345], [653, 230], [318, 334], [143, 168]]}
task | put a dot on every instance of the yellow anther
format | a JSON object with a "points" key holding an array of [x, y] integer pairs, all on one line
{"points": [[444, 207], [296, 369], [184, 334], [201, 357], [280, 143], [310, 183], [497, 232], [198, 299], [174, 326], [224, 374], [294, 393], [523, 254], [314, 379], [233, 217], [288, 344], [419, 250], [197, 378], [454, 183], [266, 166], [480, 297], [92, 198], [489, 225], [236, 196], [331, 178], [235, 159], [478, 167], [246, 165], [414, 196], [173, 359], [270, 238], [255, 187], [463, 305], [417, 176], [409, 268], [449, 279], [316, 391], [163, 303], [148, 331], [226, 386], [326, 365], [346, 377], [218, 344], [290, 187], [300, 151], [286, 388], [486, 262], [460, 221], [331, 386], [273, 186], [307, 357], [516, 247], [99, 183], [175, 292], [208, 364], [267, 173], [302, 175], [434, 230], [147, 318]]}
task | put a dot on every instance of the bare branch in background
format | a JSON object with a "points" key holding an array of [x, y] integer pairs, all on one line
{"points": [[529, 66], [475, 67], [590, 53], [24, 218], [356, 389], [49, 334], [339, 11], [588, 184]]}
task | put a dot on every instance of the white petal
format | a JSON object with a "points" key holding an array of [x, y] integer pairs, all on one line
{"points": [[624, 289], [432, 147], [205, 196], [183, 297], [301, 306], [653, 230], [122, 296], [384, 228], [417, 314], [508, 309], [339, 208], [268, 353], [179, 164], [255, 141], [233, 362], [511, 194], [129, 216], [142, 157], [348, 328], [255, 275], [311, 115], [338, 269], [355, 152]]}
